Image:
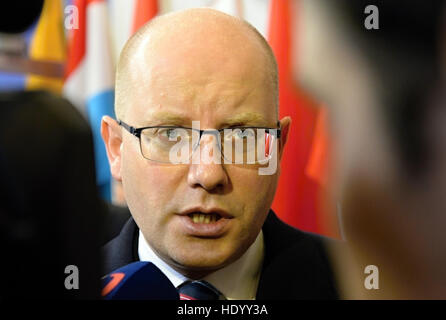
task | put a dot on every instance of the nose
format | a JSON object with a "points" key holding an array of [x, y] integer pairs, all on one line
{"points": [[204, 173]]}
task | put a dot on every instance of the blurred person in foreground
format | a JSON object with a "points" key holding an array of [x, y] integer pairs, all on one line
{"points": [[386, 91], [198, 220], [50, 212]]}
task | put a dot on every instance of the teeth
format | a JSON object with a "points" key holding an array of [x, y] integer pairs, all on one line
{"points": [[204, 218], [195, 218]]}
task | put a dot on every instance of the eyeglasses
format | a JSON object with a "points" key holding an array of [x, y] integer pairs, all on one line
{"points": [[236, 145]]}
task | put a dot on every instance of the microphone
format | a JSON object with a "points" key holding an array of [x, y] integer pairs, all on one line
{"points": [[139, 280]]}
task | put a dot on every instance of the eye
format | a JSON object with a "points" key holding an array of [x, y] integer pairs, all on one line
{"points": [[170, 133], [240, 133]]}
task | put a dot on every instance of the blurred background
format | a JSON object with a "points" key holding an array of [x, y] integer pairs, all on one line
{"points": [[73, 48], [365, 159]]}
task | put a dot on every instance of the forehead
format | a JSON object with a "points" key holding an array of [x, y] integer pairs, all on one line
{"points": [[200, 79], [173, 116]]}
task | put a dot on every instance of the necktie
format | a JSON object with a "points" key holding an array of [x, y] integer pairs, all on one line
{"points": [[199, 290]]}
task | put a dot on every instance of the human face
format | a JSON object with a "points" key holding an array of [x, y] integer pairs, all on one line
{"points": [[219, 88]]}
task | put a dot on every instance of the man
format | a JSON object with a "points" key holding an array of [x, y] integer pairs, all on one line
{"points": [[205, 220]]}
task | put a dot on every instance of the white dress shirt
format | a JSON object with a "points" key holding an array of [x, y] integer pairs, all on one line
{"points": [[237, 281]]}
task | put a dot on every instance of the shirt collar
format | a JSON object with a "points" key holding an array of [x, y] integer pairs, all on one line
{"points": [[237, 281]]}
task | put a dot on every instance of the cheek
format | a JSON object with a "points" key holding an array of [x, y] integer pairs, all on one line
{"points": [[148, 186], [253, 189], [256, 193]]}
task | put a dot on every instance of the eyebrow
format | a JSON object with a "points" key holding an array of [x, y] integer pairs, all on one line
{"points": [[246, 119], [167, 118]]}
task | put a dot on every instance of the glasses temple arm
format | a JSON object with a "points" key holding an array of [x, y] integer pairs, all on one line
{"points": [[130, 129]]}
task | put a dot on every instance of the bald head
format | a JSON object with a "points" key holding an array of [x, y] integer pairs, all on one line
{"points": [[200, 41]]}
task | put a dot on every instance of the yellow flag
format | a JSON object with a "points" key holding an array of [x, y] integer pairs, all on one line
{"points": [[48, 45]]}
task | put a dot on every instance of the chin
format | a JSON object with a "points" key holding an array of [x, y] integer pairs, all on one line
{"points": [[203, 260]]}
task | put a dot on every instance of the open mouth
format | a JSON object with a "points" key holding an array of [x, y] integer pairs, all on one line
{"points": [[206, 218], [206, 222]]}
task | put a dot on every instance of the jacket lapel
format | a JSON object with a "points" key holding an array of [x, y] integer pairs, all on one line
{"points": [[295, 264], [121, 250]]}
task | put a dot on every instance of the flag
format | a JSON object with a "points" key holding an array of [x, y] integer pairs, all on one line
{"points": [[317, 162], [297, 199], [318, 169], [144, 11], [89, 81], [48, 44], [232, 7]]}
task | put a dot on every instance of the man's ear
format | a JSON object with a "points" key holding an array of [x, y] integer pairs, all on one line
{"points": [[285, 125], [111, 134]]}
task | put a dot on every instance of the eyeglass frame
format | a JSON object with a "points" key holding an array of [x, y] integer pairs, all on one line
{"points": [[137, 132]]}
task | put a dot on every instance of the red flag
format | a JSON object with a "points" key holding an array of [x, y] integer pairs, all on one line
{"points": [[297, 200], [318, 169], [317, 163], [144, 11]]}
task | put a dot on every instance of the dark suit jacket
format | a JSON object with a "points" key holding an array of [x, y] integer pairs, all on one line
{"points": [[295, 265]]}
